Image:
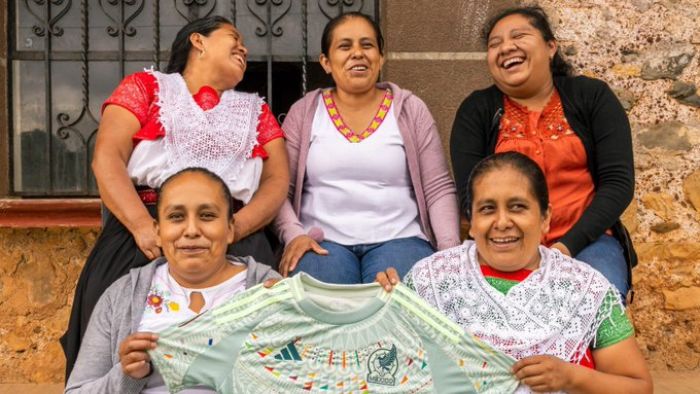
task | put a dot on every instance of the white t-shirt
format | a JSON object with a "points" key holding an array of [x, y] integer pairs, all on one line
{"points": [[167, 304], [358, 193]]}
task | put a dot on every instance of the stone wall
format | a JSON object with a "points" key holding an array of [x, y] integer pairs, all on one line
{"points": [[38, 272], [649, 51]]}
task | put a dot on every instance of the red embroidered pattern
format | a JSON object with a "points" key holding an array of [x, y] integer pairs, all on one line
{"points": [[340, 125], [552, 122]]}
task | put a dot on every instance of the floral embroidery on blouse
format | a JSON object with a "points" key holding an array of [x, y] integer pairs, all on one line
{"points": [[552, 123], [158, 300], [344, 129]]}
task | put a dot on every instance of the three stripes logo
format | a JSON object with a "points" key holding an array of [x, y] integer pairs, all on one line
{"points": [[289, 352]]}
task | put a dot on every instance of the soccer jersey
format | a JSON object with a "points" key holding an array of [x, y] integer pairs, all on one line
{"points": [[306, 336]]}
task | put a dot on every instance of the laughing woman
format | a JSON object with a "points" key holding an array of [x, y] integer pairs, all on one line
{"points": [[370, 186], [574, 128]]}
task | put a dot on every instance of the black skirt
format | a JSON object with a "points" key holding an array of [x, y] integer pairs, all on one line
{"points": [[115, 253]]}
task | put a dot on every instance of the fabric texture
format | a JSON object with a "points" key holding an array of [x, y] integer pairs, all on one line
{"points": [[556, 310], [597, 118], [220, 139], [116, 316], [611, 331], [303, 335], [348, 264], [433, 187]]}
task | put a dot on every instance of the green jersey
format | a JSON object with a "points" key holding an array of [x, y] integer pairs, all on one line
{"points": [[306, 336]]}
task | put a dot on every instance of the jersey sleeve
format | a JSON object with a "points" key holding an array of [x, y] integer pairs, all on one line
{"points": [[135, 93], [615, 328]]}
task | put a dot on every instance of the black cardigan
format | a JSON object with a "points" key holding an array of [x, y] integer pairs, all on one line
{"points": [[594, 114]]}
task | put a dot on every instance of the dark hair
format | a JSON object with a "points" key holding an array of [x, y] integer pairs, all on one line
{"points": [[539, 20], [225, 191], [327, 36], [516, 161], [180, 50]]}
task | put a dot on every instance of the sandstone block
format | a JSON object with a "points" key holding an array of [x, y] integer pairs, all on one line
{"points": [[17, 343], [691, 188], [662, 204], [682, 299]]}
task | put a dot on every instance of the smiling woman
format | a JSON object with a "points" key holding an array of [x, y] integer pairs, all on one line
{"points": [[560, 318], [195, 224], [371, 188]]}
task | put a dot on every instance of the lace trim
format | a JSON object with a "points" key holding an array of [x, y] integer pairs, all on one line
{"points": [[344, 129], [554, 311], [220, 139]]}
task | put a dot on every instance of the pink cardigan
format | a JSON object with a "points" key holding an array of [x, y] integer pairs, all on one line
{"points": [[433, 186]]}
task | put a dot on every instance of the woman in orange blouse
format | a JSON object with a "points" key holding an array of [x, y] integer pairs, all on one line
{"points": [[574, 128]]}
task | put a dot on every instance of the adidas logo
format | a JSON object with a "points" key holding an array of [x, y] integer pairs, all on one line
{"points": [[288, 353]]}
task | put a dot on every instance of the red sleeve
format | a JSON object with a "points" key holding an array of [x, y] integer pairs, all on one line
{"points": [[135, 93], [268, 129]]}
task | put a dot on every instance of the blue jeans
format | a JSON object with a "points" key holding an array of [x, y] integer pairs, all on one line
{"points": [[605, 254], [352, 264]]}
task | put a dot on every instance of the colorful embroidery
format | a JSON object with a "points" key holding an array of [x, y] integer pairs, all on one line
{"points": [[157, 300], [344, 129]]}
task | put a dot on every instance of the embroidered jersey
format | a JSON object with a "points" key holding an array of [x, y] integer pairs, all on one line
{"points": [[305, 336]]}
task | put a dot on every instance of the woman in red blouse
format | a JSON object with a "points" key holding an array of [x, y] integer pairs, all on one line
{"points": [[156, 124]]}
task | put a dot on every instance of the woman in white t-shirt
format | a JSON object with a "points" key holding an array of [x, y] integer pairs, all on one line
{"points": [[370, 187], [195, 225]]}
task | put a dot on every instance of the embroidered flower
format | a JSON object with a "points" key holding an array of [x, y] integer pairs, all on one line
{"points": [[155, 300], [174, 306]]}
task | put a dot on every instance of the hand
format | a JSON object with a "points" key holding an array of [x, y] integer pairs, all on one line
{"points": [[295, 250], [132, 354], [544, 373], [146, 239], [388, 279], [562, 248], [270, 282]]}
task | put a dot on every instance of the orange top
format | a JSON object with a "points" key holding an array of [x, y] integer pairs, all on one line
{"points": [[547, 138]]}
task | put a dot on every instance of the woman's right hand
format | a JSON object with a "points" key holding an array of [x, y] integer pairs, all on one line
{"points": [[295, 250], [133, 354], [146, 239]]}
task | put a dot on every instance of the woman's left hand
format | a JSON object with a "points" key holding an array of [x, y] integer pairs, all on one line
{"points": [[544, 373], [388, 279]]}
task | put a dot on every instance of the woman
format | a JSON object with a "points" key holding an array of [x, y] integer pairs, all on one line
{"points": [[155, 124], [194, 227], [573, 127], [369, 184], [555, 315]]}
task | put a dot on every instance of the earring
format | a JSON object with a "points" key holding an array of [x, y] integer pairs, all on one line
{"points": [[201, 53]]}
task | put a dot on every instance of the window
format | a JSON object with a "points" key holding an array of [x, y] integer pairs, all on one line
{"points": [[67, 56]]}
